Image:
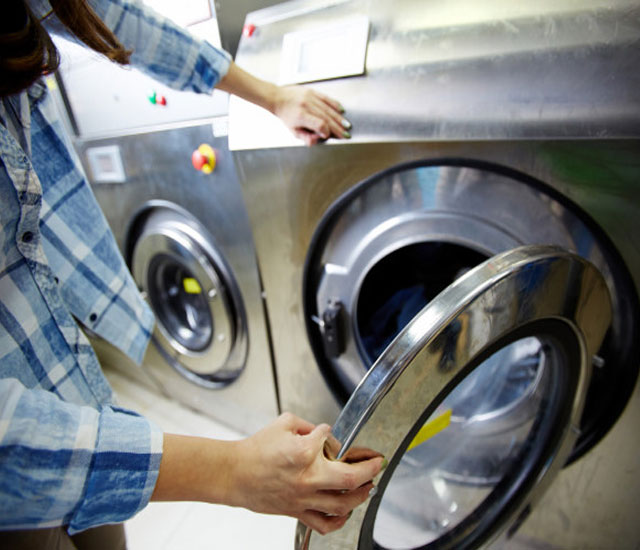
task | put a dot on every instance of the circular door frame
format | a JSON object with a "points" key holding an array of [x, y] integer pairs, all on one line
{"points": [[608, 398], [526, 291], [163, 227]]}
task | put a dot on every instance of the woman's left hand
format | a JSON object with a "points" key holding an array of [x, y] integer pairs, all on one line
{"points": [[310, 115]]}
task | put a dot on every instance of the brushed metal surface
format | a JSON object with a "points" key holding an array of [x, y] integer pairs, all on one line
{"points": [[483, 211], [461, 70]]}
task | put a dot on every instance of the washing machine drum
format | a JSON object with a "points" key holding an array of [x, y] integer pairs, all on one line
{"points": [[200, 324]]}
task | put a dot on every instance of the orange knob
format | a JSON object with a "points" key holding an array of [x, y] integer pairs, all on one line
{"points": [[204, 159]]}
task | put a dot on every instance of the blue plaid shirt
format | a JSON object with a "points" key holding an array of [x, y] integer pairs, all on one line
{"points": [[67, 455]]}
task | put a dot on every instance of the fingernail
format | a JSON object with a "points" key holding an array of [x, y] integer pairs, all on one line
{"points": [[373, 492], [340, 108], [346, 123], [385, 463], [346, 135]]}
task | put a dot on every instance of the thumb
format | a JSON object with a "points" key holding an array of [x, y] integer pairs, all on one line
{"points": [[318, 436]]}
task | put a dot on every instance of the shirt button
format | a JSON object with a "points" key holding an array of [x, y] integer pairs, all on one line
{"points": [[93, 317], [27, 237]]}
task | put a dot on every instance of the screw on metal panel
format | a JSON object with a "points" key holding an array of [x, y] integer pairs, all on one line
{"points": [[212, 293], [221, 337], [598, 361]]}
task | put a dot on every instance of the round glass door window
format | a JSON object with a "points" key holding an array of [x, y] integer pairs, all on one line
{"points": [[486, 428], [179, 303]]}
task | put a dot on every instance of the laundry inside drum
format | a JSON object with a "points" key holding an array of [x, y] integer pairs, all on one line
{"points": [[492, 420], [397, 287]]}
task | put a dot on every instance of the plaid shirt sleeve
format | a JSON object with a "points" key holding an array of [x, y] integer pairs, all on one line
{"points": [[86, 467], [161, 49]]}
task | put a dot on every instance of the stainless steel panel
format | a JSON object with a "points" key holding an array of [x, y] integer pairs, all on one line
{"points": [[289, 190], [464, 70], [105, 98]]}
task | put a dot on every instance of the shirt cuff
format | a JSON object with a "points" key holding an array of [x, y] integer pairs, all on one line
{"points": [[210, 68], [123, 471]]}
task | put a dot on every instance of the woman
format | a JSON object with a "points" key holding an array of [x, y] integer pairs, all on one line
{"points": [[69, 460]]}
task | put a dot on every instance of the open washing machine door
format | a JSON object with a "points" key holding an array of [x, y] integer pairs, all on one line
{"points": [[476, 404]]}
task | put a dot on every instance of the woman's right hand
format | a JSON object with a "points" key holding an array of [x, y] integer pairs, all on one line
{"points": [[283, 469]]}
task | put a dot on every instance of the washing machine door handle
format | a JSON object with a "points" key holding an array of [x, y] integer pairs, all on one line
{"points": [[548, 310]]}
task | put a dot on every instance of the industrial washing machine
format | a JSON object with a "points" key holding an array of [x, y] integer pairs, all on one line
{"points": [[159, 165], [456, 286]]}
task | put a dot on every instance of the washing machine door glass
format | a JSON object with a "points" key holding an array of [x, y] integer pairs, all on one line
{"points": [[199, 320], [476, 404], [180, 305]]}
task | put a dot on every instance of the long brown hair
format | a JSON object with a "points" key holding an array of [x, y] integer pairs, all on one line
{"points": [[27, 51]]}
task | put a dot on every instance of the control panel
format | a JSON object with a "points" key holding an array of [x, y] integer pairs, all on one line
{"points": [[106, 98]]}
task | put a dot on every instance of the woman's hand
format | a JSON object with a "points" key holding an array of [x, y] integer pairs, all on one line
{"points": [[283, 470], [310, 115]]}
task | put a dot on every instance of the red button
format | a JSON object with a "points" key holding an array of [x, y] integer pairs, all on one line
{"points": [[249, 29], [198, 159]]}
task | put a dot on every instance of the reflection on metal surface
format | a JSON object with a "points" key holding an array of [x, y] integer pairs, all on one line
{"points": [[556, 307], [408, 235]]}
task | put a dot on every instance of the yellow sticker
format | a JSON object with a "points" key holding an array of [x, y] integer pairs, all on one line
{"points": [[191, 286], [430, 429]]}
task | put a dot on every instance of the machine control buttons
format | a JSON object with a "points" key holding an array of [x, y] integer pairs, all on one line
{"points": [[204, 159], [331, 329], [157, 99]]}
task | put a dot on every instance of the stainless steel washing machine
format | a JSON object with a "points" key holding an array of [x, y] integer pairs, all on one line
{"points": [[413, 273], [160, 167]]}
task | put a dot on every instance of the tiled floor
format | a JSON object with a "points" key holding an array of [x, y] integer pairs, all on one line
{"points": [[191, 525]]}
